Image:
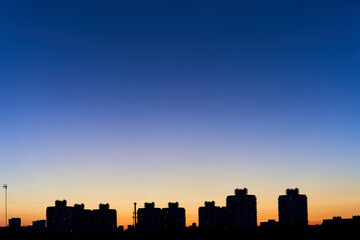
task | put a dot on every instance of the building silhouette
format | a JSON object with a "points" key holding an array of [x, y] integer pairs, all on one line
{"points": [[293, 209], [211, 216], [149, 218], [270, 224], [39, 226], [241, 210], [15, 223], [66, 219], [339, 221], [130, 228], [104, 219], [173, 217], [80, 218], [58, 218]]}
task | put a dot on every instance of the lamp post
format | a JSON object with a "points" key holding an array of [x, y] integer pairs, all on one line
{"points": [[135, 217], [5, 187]]}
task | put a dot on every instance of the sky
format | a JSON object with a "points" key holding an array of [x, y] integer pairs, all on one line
{"points": [[179, 101]]}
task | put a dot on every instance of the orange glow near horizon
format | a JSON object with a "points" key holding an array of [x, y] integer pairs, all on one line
{"points": [[318, 211], [125, 218], [325, 200]]}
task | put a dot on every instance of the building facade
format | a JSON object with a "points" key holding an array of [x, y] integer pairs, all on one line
{"points": [[211, 216], [149, 218], [173, 217], [66, 219], [58, 218], [241, 210], [293, 210], [105, 219], [15, 223]]}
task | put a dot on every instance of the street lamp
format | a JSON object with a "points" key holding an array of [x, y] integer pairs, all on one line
{"points": [[5, 187]]}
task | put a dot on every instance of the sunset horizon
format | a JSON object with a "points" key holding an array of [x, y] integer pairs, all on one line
{"points": [[179, 101]]}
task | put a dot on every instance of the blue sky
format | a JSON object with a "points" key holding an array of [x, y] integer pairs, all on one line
{"points": [[195, 89]]}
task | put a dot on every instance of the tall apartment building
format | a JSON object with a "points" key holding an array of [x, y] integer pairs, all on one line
{"points": [[241, 210], [149, 218], [105, 219], [173, 217], [58, 218], [293, 210], [211, 216], [80, 219]]}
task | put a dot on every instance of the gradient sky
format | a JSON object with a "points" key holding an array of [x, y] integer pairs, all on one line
{"points": [[163, 101]]}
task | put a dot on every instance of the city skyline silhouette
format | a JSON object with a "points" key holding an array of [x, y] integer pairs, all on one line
{"points": [[238, 217], [179, 101], [292, 212]]}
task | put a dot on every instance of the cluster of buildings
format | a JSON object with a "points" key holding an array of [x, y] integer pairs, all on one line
{"points": [[240, 212], [152, 219], [64, 219], [38, 226]]}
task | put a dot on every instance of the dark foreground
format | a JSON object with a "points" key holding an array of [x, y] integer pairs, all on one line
{"points": [[311, 232]]}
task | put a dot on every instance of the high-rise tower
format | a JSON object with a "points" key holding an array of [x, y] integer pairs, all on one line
{"points": [[241, 210], [293, 209]]}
